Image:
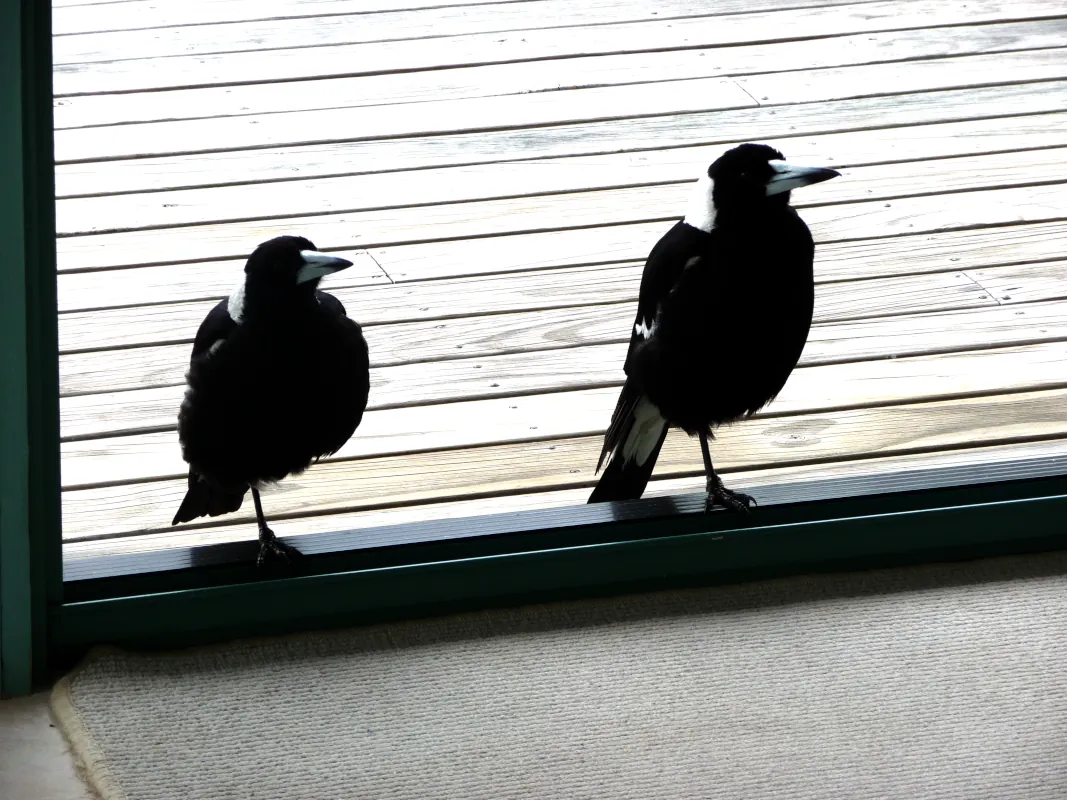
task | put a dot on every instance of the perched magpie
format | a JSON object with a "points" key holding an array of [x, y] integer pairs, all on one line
{"points": [[279, 378], [723, 314]]}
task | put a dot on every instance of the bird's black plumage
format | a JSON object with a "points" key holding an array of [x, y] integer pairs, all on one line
{"points": [[723, 314], [279, 377]]}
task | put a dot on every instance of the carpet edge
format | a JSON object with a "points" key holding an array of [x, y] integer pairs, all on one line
{"points": [[89, 759]]}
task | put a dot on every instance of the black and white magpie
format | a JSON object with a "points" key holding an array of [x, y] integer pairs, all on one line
{"points": [[279, 378], [723, 314]]}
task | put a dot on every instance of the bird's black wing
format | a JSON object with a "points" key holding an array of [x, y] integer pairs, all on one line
{"points": [[663, 269], [217, 326], [350, 369], [204, 498]]}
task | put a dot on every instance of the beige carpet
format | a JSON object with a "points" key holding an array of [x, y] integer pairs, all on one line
{"points": [[938, 682]]}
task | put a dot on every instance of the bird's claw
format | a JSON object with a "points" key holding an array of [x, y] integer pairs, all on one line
{"points": [[719, 495], [274, 551]]}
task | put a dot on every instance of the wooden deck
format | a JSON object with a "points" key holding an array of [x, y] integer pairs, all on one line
{"points": [[498, 172]]}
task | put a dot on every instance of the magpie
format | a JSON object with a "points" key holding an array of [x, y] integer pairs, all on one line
{"points": [[279, 378], [723, 313]]}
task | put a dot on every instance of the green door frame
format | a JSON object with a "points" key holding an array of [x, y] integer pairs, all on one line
{"points": [[30, 571]]}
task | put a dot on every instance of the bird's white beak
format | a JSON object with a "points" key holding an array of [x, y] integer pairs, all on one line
{"points": [[792, 176], [317, 264]]}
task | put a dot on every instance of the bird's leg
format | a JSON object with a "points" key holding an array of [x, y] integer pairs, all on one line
{"points": [[271, 549], [717, 493]]}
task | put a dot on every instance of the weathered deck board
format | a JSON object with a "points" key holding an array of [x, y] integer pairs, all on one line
{"points": [[408, 119], [368, 229], [286, 23], [77, 17], [1022, 283], [845, 260], [569, 326], [462, 299], [528, 45], [500, 375], [513, 341], [551, 75], [567, 106], [608, 295], [501, 469], [475, 423], [982, 167], [624, 135], [222, 530], [510, 266]]}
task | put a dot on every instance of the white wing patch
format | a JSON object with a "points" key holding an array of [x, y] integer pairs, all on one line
{"points": [[215, 345], [235, 306], [648, 427], [700, 213], [644, 329]]}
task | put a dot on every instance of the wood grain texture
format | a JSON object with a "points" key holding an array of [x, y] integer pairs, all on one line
{"points": [[981, 167], [172, 283], [292, 23], [567, 106], [1019, 284], [169, 284], [470, 310], [622, 135], [511, 267], [533, 44], [222, 530], [407, 119], [539, 76], [375, 229], [350, 26], [460, 299], [511, 374], [802, 87], [921, 330], [540, 466], [475, 423], [959, 249], [78, 17], [466, 337], [930, 252]]}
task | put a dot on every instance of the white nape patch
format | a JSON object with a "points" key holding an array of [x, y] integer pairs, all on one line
{"points": [[645, 433], [644, 329], [235, 306], [700, 213]]}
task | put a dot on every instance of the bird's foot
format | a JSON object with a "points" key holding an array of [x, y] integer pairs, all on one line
{"points": [[274, 551], [719, 495]]}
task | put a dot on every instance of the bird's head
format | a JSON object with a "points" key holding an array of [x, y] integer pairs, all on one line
{"points": [[280, 272], [290, 263], [749, 179]]}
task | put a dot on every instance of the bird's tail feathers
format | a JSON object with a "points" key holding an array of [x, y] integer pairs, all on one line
{"points": [[205, 499], [634, 439], [621, 422]]}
